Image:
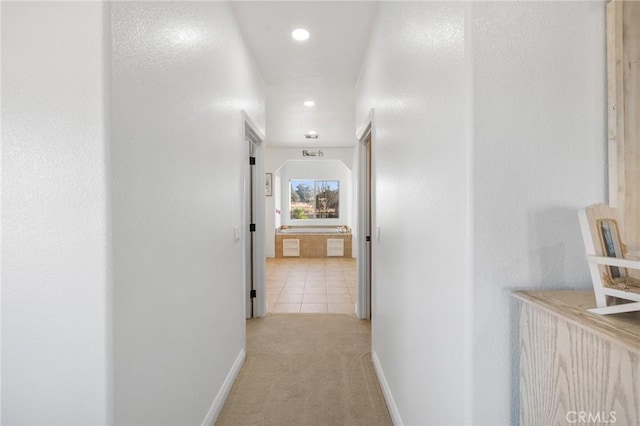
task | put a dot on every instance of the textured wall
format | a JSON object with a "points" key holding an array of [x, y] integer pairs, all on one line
{"points": [[55, 279], [489, 136], [415, 78], [181, 75], [538, 156]]}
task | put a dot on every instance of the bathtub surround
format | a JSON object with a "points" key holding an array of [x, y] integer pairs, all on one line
{"points": [[313, 241]]}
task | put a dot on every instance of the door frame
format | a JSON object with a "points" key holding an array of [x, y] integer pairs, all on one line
{"points": [[251, 132], [366, 201]]}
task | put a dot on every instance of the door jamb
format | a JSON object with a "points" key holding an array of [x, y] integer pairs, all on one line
{"points": [[250, 131], [364, 296]]}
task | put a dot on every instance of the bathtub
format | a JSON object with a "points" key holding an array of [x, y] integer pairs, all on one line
{"points": [[319, 230], [313, 241]]}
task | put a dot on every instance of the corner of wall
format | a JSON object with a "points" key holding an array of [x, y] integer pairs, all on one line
{"points": [[106, 81], [468, 298]]}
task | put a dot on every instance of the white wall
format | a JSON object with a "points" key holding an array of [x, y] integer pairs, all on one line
{"points": [[491, 127], [276, 156], [316, 170], [416, 80], [539, 156], [288, 163], [181, 75], [55, 243]]}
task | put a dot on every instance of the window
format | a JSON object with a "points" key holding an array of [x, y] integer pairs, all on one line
{"points": [[315, 199]]}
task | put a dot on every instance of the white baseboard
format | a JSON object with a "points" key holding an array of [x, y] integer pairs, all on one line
{"points": [[218, 402], [386, 391]]}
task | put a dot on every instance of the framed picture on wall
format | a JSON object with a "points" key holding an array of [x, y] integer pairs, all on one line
{"points": [[268, 189]]}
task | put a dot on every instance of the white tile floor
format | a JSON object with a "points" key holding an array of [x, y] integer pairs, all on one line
{"points": [[311, 285]]}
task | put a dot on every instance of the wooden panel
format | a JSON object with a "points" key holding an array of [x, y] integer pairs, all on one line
{"points": [[631, 79], [571, 306], [615, 97], [623, 69], [573, 362]]}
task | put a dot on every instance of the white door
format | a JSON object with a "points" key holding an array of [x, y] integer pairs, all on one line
{"points": [[254, 257], [365, 223], [250, 227]]}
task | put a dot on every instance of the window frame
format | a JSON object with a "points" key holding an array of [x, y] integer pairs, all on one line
{"points": [[315, 194]]}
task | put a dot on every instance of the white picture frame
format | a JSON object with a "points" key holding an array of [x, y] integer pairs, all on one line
{"points": [[268, 188]]}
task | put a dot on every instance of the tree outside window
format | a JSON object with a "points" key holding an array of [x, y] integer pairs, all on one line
{"points": [[315, 199]]}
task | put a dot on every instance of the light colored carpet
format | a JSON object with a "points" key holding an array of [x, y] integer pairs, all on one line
{"points": [[306, 369]]}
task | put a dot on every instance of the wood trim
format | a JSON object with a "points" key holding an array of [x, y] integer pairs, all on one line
{"points": [[615, 100], [572, 306], [623, 92], [631, 90]]}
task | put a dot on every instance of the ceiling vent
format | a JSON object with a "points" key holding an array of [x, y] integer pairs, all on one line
{"points": [[311, 136]]}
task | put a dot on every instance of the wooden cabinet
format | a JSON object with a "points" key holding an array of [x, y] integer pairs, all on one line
{"points": [[577, 367]]}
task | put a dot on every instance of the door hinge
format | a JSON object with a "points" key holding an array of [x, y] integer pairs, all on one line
{"points": [[368, 238], [252, 294], [252, 161], [252, 227]]}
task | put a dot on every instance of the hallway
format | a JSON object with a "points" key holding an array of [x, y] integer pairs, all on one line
{"points": [[306, 369], [127, 212]]}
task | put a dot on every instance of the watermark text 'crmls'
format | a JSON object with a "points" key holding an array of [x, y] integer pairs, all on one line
{"points": [[591, 417]]}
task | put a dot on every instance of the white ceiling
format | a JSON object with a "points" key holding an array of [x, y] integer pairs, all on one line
{"points": [[323, 69]]}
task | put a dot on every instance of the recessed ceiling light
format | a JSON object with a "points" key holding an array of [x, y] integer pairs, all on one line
{"points": [[300, 34], [312, 132], [309, 103]]}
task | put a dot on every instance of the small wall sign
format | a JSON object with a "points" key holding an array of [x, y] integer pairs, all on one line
{"points": [[307, 153]]}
